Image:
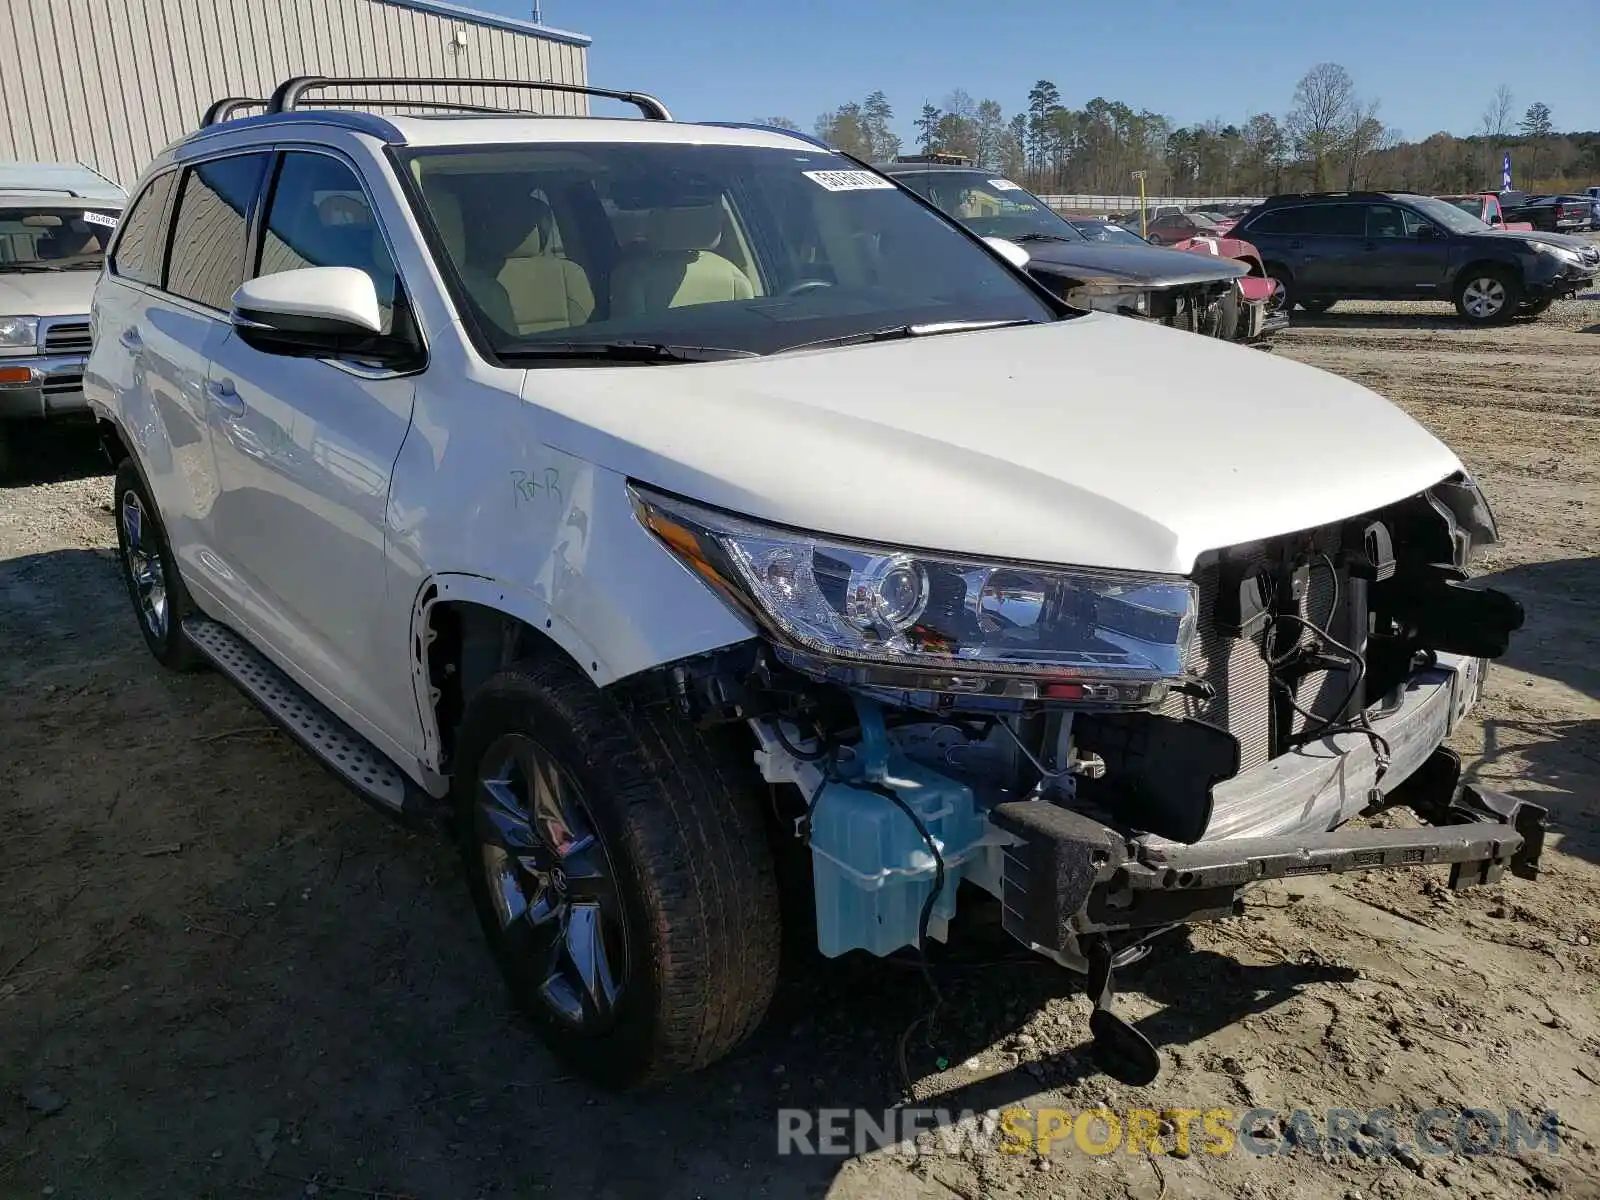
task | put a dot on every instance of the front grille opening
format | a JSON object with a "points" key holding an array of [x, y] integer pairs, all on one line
{"points": [[67, 337]]}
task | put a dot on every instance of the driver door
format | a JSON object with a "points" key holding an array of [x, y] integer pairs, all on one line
{"points": [[1405, 255], [305, 449]]}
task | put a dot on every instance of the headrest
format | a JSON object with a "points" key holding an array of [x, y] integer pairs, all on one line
{"points": [[543, 232], [678, 229]]}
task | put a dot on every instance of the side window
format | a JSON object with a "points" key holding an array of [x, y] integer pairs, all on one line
{"points": [[1281, 220], [1413, 221], [143, 242], [318, 216], [1335, 220], [1386, 221], [209, 233]]}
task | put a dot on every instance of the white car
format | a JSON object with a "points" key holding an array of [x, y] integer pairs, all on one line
{"points": [[681, 509], [55, 222]]}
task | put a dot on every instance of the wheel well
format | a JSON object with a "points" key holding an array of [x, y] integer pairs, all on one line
{"points": [[462, 646], [1277, 268], [111, 443], [1482, 264]]}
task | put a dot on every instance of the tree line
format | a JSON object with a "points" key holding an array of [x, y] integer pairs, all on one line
{"points": [[1330, 138]]}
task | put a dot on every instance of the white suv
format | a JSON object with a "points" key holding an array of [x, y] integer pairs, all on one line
{"points": [[680, 510]]}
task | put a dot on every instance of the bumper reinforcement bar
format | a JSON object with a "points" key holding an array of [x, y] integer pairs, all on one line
{"points": [[1080, 890]]}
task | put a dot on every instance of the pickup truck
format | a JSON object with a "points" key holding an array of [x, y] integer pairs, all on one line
{"points": [[55, 221], [1486, 207]]}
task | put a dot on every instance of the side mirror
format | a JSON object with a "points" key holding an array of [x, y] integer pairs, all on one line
{"points": [[1426, 232], [315, 312], [1010, 251], [1496, 219]]}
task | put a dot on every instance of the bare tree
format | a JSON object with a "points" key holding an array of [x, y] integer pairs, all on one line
{"points": [[1324, 115], [1497, 124]]}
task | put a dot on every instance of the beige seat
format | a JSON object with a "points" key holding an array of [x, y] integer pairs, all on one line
{"points": [[546, 290], [486, 291], [678, 266]]}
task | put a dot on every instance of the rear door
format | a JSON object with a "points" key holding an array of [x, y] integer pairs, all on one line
{"points": [[1331, 251], [305, 452], [165, 316]]}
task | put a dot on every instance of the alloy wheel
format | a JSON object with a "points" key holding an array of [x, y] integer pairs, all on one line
{"points": [[144, 564], [1484, 297], [551, 883], [1280, 295]]}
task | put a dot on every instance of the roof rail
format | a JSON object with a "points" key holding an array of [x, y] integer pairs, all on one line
{"points": [[287, 97], [224, 109], [1356, 195], [766, 128]]}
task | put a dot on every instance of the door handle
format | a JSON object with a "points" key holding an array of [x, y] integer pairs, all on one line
{"points": [[223, 395], [1297, 244], [129, 339]]}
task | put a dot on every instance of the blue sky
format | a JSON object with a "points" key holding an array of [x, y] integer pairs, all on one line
{"points": [[1434, 66]]}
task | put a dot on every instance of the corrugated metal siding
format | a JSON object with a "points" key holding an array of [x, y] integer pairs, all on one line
{"points": [[110, 82]]}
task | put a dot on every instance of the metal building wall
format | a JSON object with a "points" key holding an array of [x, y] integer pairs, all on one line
{"points": [[110, 82]]}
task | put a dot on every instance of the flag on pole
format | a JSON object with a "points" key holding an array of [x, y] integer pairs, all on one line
{"points": [[1505, 173]]}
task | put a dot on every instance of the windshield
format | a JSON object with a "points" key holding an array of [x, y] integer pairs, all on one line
{"points": [[52, 238], [989, 205], [725, 248], [1467, 204], [1447, 214], [1105, 231]]}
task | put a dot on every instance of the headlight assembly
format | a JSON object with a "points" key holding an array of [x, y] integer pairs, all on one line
{"points": [[938, 622], [1564, 253], [18, 334], [1111, 298]]}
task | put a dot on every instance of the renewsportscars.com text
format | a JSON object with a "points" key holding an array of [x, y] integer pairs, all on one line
{"points": [[1262, 1132]]}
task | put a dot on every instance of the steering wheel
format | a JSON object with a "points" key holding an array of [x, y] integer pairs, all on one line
{"points": [[801, 286]]}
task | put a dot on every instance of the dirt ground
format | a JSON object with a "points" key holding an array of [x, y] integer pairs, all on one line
{"points": [[221, 975]]}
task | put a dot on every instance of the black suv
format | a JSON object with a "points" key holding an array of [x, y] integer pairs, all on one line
{"points": [[1322, 247]]}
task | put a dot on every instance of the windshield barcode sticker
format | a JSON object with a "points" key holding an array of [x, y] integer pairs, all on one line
{"points": [[1004, 185], [847, 181], [94, 218]]}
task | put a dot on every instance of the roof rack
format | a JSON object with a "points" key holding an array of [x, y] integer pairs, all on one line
{"points": [[224, 109], [289, 93], [1368, 195], [770, 128]]}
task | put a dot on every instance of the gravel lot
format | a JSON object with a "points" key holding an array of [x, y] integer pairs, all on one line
{"points": [[222, 975]]}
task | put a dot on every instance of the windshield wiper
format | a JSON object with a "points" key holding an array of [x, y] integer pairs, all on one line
{"points": [[624, 351], [1045, 237], [892, 332]]}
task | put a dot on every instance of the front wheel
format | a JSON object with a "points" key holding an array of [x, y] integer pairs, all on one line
{"points": [[150, 570], [1488, 295], [621, 871]]}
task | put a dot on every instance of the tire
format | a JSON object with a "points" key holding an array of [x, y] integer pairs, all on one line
{"points": [[150, 571], [639, 929], [1317, 307], [1537, 308], [1282, 299], [1487, 295]]}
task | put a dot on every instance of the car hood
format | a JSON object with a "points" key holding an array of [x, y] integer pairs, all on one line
{"points": [[1096, 440], [1555, 239], [1151, 266], [46, 293]]}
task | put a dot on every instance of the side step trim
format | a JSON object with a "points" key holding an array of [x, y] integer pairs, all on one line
{"points": [[341, 749]]}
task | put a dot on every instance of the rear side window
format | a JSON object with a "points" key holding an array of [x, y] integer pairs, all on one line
{"points": [[209, 233], [1281, 220], [319, 217], [1336, 220], [143, 241]]}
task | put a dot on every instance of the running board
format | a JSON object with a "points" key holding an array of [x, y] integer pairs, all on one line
{"points": [[341, 749]]}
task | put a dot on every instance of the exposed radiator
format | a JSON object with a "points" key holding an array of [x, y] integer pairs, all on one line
{"points": [[1236, 668]]}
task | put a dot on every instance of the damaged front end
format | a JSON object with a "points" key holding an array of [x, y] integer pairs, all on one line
{"points": [[1109, 755]]}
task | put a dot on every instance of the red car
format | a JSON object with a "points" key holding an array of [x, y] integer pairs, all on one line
{"points": [[1172, 228], [1486, 207], [1256, 287]]}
